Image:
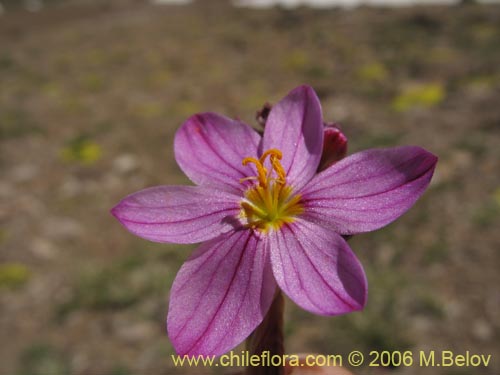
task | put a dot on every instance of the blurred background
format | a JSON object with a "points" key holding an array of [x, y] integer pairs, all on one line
{"points": [[91, 94]]}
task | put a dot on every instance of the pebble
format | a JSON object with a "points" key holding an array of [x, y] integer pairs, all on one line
{"points": [[62, 228], [482, 330], [132, 333], [125, 163], [24, 172], [43, 248], [71, 187]]}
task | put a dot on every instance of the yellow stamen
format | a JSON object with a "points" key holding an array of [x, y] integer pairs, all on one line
{"points": [[273, 152], [261, 171], [278, 168], [269, 203]]}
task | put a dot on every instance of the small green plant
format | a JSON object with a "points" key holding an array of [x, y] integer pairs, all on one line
{"points": [[81, 150], [421, 96], [117, 286], [42, 358], [13, 275], [296, 61], [373, 72], [16, 123]]}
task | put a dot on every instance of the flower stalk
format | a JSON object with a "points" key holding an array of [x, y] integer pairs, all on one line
{"points": [[268, 336]]}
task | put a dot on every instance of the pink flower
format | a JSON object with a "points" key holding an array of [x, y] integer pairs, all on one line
{"points": [[268, 219]]}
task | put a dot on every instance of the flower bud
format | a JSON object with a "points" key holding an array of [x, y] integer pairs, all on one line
{"points": [[334, 146]]}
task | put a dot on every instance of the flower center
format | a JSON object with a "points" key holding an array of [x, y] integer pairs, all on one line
{"points": [[269, 203]]}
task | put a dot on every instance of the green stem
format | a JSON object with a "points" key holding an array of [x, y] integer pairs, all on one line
{"points": [[268, 336]]}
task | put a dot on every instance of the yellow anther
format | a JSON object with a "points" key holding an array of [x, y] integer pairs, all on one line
{"points": [[278, 168], [275, 153], [261, 171], [275, 156]]}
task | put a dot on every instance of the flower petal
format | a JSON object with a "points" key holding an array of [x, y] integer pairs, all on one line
{"points": [[316, 268], [209, 148], [295, 127], [220, 295], [180, 214], [368, 190]]}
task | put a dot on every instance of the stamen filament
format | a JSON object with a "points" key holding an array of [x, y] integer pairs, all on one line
{"points": [[270, 202], [261, 171]]}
